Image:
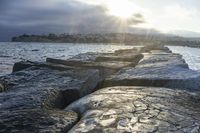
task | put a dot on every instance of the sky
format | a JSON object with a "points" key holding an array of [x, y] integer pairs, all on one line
{"points": [[97, 16]]}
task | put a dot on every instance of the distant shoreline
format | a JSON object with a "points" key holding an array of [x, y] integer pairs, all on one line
{"points": [[86, 38], [100, 44], [110, 38]]}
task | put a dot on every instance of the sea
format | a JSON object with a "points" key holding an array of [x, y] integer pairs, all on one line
{"points": [[12, 52]]}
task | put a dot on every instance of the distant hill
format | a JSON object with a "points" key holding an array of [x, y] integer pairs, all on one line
{"points": [[126, 38], [185, 33], [87, 38]]}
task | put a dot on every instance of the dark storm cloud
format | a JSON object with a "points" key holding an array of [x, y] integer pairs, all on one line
{"points": [[56, 16]]}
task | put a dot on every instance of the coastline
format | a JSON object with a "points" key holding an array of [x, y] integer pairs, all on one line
{"points": [[92, 92], [102, 43], [111, 38]]}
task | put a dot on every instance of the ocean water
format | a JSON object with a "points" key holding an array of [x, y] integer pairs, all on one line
{"points": [[13, 52], [191, 55]]}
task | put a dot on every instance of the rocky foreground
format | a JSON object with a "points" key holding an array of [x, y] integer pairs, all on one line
{"points": [[145, 89]]}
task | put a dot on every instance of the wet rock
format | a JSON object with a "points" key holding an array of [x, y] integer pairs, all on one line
{"points": [[160, 70], [137, 109], [36, 120]]}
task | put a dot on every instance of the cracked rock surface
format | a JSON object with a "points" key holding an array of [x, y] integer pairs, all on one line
{"points": [[137, 109]]}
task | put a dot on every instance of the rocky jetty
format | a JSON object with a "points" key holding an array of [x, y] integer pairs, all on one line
{"points": [[144, 89], [158, 69]]}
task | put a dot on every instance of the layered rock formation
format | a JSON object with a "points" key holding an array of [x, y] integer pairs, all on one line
{"points": [[157, 68], [33, 97]]}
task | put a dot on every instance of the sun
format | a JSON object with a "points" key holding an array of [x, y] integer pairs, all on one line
{"points": [[121, 8]]}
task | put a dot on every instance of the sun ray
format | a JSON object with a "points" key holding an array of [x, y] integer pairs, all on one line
{"points": [[121, 8]]}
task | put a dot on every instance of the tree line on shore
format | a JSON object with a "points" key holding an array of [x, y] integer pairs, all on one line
{"points": [[126, 38], [84, 38]]}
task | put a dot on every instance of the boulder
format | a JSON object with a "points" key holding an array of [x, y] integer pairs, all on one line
{"points": [[137, 109], [23, 65], [35, 96], [46, 88], [36, 121], [159, 70]]}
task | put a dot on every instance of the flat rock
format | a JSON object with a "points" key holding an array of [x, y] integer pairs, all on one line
{"points": [[112, 65], [137, 109], [162, 59], [159, 70], [129, 58], [90, 56]]}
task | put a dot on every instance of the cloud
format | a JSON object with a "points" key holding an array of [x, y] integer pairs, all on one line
{"points": [[171, 15], [57, 16]]}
